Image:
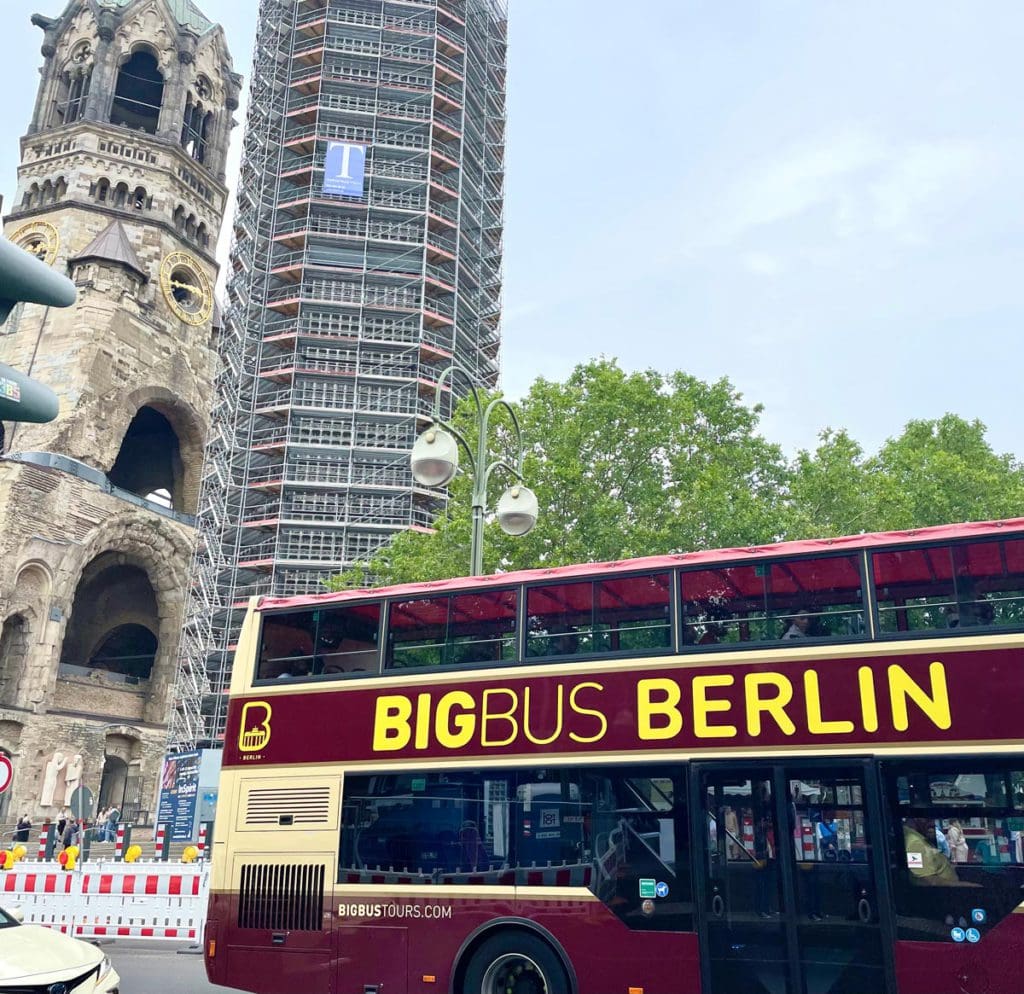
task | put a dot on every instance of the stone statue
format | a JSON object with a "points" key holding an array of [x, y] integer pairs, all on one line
{"points": [[72, 777], [57, 763]]}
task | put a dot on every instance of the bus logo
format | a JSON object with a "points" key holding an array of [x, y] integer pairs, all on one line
{"points": [[255, 733]]}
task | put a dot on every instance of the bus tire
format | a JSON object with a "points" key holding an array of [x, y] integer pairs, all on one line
{"points": [[515, 962]]}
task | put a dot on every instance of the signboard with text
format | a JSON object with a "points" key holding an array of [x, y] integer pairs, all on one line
{"points": [[345, 169], [179, 791]]}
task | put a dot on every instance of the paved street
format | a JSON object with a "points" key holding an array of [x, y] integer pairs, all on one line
{"points": [[157, 968]]}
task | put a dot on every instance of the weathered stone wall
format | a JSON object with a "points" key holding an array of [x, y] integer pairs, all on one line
{"points": [[121, 347]]}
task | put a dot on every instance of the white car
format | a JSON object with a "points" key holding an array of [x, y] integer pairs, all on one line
{"points": [[37, 958]]}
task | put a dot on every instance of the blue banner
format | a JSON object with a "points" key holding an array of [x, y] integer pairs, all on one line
{"points": [[179, 788], [345, 169]]}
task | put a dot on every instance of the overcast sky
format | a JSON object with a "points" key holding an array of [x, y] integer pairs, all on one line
{"points": [[821, 200]]}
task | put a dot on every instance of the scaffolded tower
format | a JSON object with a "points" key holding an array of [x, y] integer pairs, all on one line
{"points": [[344, 309]]}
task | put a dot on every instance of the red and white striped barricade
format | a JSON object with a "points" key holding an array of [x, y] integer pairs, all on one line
{"points": [[160, 847]]}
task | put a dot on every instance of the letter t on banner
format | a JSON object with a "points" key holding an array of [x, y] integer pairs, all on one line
{"points": [[345, 169]]}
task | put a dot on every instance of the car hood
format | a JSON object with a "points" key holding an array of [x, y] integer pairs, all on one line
{"points": [[31, 952]]}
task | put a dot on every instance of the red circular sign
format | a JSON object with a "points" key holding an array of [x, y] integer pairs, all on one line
{"points": [[6, 773]]}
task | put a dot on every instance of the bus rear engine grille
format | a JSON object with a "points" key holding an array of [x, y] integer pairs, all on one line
{"points": [[281, 898], [297, 806]]}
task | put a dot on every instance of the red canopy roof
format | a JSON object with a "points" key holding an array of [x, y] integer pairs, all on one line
{"points": [[712, 557]]}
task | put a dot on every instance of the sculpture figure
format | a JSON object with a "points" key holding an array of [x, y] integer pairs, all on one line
{"points": [[56, 764], [72, 777]]}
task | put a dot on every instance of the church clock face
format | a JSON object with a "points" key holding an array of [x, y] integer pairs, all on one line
{"points": [[186, 288], [39, 238]]}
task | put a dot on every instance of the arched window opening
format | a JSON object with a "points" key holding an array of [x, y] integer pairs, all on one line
{"points": [[190, 226], [202, 235], [61, 188], [120, 194], [179, 217], [31, 196], [128, 650], [139, 199], [139, 93], [47, 193], [14, 645], [77, 94], [112, 625], [150, 458], [103, 190]]}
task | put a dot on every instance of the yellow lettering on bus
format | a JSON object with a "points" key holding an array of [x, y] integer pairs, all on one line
{"points": [[455, 732], [602, 720], [665, 708], [488, 716], [935, 705], [703, 706], [774, 705], [391, 728], [868, 699], [816, 724], [422, 721], [559, 697]]}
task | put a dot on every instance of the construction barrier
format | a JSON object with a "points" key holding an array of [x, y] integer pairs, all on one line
{"points": [[150, 901]]}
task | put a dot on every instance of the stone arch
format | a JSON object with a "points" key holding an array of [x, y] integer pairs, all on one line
{"points": [[32, 196], [120, 781], [15, 644], [162, 449], [179, 217], [120, 194], [139, 91], [103, 190], [139, 199], [21, 676], [125, 548]]}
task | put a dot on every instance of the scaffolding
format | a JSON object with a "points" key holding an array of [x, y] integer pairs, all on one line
{"points": [[343, 311]]}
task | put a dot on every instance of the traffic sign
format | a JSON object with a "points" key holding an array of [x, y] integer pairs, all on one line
{"points": [[6, 773], [81, 803]]}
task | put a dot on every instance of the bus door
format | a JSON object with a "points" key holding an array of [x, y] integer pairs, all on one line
{"points": [[790, 877]]}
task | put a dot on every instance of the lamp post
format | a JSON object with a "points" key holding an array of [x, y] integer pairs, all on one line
{"points": [[435, 460]]}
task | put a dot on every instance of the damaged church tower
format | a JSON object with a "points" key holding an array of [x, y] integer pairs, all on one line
{"points": [[121, 186]]}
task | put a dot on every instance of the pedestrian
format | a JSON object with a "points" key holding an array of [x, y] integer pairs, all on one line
{"points": [[62, 823], [70, 834], [110, 829], [24, 827]]}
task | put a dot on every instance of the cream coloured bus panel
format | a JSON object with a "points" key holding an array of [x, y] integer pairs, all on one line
{"points": [[288, 804]]}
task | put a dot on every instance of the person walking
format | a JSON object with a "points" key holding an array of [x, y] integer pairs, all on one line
{"points": [[23, 829]]}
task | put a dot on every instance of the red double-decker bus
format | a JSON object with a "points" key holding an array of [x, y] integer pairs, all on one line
{"points": [[794, 769]]}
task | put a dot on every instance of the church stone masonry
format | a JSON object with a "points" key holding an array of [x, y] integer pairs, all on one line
{"points": [[121, 186]]}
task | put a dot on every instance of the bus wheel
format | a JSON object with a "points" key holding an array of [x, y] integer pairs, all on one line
{"points": [[515, 963]]}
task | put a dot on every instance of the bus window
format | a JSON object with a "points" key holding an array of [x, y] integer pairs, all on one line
{"points": [[957, 843], [452, 630], [949, 587], [346, 639], [619, 615], [788, 600], [286, 645]]}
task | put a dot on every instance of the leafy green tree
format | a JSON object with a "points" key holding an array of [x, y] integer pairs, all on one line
{"points": [[935, 472], [944, 471], [623, 464]]}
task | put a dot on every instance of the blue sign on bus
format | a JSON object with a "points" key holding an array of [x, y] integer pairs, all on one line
{"points": [[345, 169]]}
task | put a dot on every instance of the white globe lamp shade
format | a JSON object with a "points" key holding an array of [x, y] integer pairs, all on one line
{"points": [[435, 458], [517, 510]]}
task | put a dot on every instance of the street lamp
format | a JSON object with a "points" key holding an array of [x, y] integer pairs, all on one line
{"points": [[435, 460]]}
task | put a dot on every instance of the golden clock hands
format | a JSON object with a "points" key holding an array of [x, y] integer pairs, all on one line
{"points": [[190, 288]]}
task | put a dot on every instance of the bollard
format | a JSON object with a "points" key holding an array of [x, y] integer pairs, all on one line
{"points": [[47, 843], [122, 840], [161, 850], [205, 839]]}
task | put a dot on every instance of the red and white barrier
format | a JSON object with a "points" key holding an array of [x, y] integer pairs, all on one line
{"points": [[119, 838], [808, 840], [165, 901], [748, 835], [201, 845], [44, 833], [159, 842]]}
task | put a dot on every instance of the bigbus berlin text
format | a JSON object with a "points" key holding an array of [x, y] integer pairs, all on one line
{"points": [[705, 706]]}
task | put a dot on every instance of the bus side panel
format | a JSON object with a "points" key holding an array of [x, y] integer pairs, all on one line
{"points": [[991, 966], [608, 956]]}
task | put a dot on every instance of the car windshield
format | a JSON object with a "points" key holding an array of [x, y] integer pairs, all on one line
{"points": [[7, 920]]}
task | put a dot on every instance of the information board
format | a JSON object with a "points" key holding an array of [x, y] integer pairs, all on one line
{"points": [[179, 791]]}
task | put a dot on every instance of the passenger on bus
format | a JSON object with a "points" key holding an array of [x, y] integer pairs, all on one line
{"points": [[798, 626], [928, 866]]}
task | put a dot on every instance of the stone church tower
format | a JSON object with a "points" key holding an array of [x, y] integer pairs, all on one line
{"points": [[121, 186]]}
